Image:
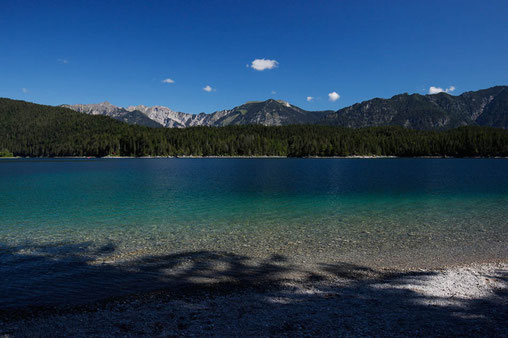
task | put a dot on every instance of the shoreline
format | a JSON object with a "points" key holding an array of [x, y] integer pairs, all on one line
{"points": [[350, 300]]}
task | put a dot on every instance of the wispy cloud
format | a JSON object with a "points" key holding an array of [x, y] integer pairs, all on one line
{"points": [[64, 61], [333, 96], [262, 64], [207, 88], [168, 80], [274, 92], [24, 90], [435, 90], [310, 98]]}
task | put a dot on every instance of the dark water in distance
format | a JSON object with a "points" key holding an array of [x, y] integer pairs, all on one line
{"points": [[65, 223]]}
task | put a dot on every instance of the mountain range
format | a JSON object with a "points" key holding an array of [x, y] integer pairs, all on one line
{"points": [[29, 129], [487, 107], [268, 113], [118, 113]]}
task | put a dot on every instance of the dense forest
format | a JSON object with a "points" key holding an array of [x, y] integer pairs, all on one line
{"points": [[28, 129]]}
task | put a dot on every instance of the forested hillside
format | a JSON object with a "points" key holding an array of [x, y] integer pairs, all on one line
{"points": [[28, 129]]}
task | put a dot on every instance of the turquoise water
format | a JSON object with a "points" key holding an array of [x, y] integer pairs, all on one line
{"points": [[380, 212]]}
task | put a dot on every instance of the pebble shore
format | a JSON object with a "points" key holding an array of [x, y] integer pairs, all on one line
{"points": [[348, 300]]}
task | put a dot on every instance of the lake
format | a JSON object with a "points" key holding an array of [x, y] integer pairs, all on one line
{"points": [[67, 225]]}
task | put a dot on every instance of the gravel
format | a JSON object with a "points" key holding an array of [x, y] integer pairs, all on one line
{"points": [[328, 300]]}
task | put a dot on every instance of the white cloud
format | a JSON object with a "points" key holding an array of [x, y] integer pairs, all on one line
{"points": [[24, 90], [168, 80], [333, 96], [274, 92], [262, 64], [208, 89], [64, 61], [435, 90], [310, 98]]}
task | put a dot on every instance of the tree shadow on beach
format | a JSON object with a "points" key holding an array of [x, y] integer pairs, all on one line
{"points": [[188, 292]]}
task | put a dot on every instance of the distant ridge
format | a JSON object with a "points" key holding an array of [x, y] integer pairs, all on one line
{"points": [[486, 107], [118, 113], [268, 113]]}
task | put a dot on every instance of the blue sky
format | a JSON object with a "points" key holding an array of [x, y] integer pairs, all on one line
{"points": [[55, 52]]}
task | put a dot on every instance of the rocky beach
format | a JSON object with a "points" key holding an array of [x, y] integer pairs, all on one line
{"points": [[222, 295]]}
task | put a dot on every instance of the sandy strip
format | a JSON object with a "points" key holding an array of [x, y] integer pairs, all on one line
{"points": [[470, 300]]}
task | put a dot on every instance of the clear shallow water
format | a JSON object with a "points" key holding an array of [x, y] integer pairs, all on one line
{"points": [[62, 221]]}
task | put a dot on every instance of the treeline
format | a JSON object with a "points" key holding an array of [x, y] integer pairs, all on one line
{"points": [[28, 129]]}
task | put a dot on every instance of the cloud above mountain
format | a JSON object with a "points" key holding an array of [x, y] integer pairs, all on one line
{"points": [[263, 64], [168, 80], [435, 90], [310, 98], [333, 96], [207, 88]]}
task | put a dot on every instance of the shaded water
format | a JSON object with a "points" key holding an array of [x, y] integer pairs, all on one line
{"points": [[376, 212]]}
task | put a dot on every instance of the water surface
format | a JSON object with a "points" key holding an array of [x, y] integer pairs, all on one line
{"points": [[63, 219]]}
